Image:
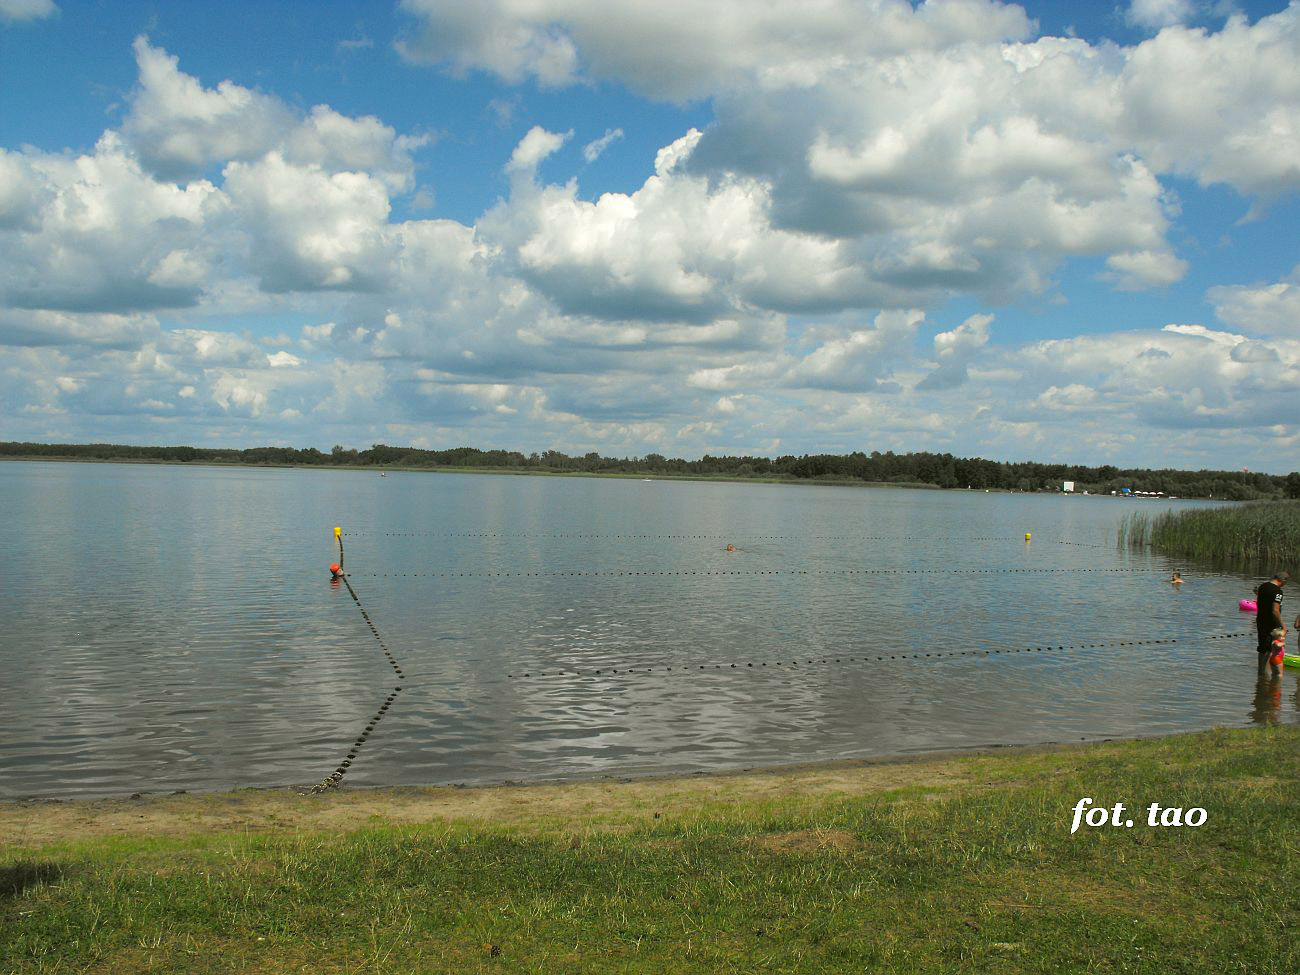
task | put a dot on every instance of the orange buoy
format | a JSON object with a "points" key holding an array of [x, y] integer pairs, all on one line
{"points": [[336, 570]]}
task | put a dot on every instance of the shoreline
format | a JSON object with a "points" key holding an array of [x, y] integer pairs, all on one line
{"points": [[295, 807]]}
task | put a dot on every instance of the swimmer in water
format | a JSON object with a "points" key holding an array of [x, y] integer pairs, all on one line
{"points": [[730, 547], [1177, 579]]}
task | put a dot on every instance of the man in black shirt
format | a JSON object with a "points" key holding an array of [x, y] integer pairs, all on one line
{"points": [[1268, 615]]}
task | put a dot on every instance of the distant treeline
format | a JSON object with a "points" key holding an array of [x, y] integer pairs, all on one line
{"points": [[940, 470]]}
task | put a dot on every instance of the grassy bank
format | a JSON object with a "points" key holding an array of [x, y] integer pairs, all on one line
{"points": [[959, 864], [1261, 537]]}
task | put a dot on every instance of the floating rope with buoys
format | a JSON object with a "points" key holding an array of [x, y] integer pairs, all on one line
{"points": [[332, 780], [688, 669], [728, 572], [758, 538], [335, 778]]}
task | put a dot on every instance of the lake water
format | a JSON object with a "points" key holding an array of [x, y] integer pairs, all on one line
{"points": [[176, 628]]}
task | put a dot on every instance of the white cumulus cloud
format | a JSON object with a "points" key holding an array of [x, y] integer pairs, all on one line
{"points": [[105, 235], [955, 350], [17, 11], [1271, 308], [1223, 106], [680, 49], [311, 229], [1155, 14], [180, 128], [592, 150], [533, 148]]}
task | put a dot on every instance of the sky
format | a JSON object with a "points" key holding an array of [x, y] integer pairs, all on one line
{"points": [[1058, 232]]}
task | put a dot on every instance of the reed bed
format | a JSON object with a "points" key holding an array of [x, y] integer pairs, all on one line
{"points": [[1260, 537]]}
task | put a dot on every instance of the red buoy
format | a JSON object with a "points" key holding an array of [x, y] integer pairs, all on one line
{"points": [[336, 570]]}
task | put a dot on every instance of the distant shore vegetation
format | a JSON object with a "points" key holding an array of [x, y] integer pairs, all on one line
{"points": [[937, 470]]}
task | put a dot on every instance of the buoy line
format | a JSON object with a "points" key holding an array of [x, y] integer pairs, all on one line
{"points": [[332, 780], [685, 669], [734, 535], [335, 778], [730, 572]]}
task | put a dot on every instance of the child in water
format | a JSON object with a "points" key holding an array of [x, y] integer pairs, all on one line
{"points": [[1275, 658]]}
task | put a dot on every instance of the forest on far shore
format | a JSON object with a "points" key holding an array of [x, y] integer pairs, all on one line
{"points": [[937, 470]]}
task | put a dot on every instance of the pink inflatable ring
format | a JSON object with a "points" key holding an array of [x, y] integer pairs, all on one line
{"points": [[1248, 606]]}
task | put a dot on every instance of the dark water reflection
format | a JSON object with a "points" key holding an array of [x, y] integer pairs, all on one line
{"points": [[176, 628]]}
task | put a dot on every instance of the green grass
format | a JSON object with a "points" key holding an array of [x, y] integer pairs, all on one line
{"points": [[1261, 537], [982, 876]]}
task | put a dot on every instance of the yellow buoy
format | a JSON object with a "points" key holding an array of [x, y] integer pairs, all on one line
{"points": [[339, 531], [1028, 536]]}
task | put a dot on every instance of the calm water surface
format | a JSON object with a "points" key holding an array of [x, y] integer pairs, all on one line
{"points": [[175, 628]]}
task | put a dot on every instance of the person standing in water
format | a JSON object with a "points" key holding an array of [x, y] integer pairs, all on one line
{"points": [[1268, 615]]}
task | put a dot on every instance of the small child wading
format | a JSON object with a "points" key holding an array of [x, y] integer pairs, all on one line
{"points": [[1278, 654]]}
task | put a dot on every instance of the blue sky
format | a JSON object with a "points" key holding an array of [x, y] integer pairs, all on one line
{"points": [[1054, 231]]}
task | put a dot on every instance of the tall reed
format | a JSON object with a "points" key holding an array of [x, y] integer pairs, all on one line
{"points": [[1260, 537]]}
